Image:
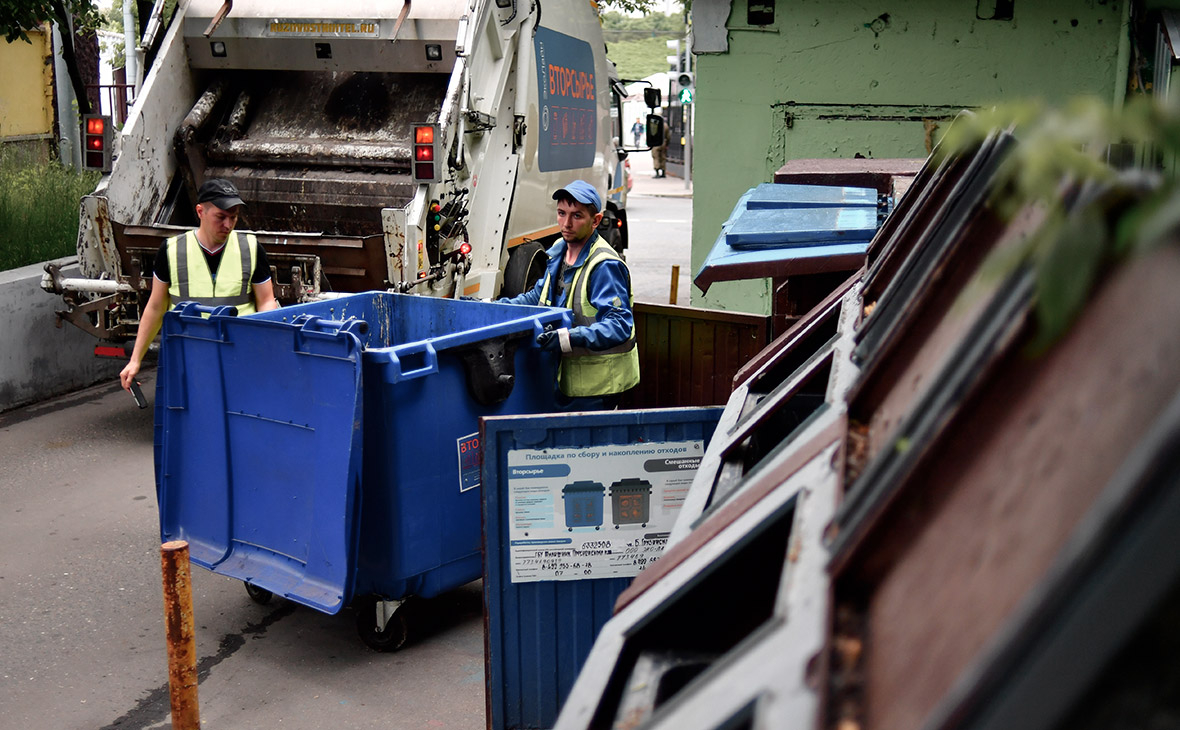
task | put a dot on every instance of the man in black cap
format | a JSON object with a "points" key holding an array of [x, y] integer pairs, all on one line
{"points": [[212, 265], [599, 359]]}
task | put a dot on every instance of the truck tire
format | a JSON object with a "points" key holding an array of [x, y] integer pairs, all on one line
{"points": [[614, 233], [526, 266]]}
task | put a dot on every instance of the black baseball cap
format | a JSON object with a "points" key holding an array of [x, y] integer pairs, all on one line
{"points": [[221, 193]]}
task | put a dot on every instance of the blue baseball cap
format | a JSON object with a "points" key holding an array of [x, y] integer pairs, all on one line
{"points": [[581, 191]]}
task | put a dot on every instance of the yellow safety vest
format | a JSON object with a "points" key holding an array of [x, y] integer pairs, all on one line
{"points": [[585, 372], [193, 282]]}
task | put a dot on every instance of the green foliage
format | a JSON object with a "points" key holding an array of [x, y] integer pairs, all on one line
{"points": [[652, 24], [113, 21], [637, 6], [1094, 214], [638, 46], [39, 210], [18, 16], [637, 59]]}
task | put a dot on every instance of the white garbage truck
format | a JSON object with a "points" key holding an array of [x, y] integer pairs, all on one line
{"points": [[379, 146]]}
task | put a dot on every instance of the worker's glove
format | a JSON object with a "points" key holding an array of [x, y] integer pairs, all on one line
{"points": [[554, 340]]}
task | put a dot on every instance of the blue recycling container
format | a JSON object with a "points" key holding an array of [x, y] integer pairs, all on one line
{"points": [[330, 450], [583, 504]]}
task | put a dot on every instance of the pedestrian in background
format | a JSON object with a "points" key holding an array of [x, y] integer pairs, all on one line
{"points": [[659, 152]]}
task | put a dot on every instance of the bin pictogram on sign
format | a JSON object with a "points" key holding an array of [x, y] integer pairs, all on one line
{"points": [[630, 501], [583, 504]]}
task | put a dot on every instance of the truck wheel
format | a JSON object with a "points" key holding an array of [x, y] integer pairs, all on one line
{"points": [[392, 637], [615, 238], [526, 266], [613, 233]]}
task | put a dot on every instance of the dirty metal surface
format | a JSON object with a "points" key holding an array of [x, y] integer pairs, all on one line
{"points": [[317, 151], [890, 387], [347, 264], [863, 172], [903, 212], [822, 316], [1123, 675], [338, 106], [922, 266], [1027, 457]]}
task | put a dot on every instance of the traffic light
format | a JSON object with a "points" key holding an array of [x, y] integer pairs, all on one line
{"points": [[96, 142], [687, 87], [426, 154], [676, 61]]}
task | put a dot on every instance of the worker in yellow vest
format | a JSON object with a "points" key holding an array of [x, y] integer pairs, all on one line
{"points": [[212, 265], [599, 358]]}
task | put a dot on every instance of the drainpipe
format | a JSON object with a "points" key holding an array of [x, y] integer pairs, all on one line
{"points": [[69, 126], [130, 45], [1123, 61]]}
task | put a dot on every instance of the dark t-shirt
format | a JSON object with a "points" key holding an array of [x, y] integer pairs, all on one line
{"points": [[163, 272]]}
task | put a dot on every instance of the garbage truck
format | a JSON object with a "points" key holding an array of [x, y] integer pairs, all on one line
{"points": [[400, 147]]}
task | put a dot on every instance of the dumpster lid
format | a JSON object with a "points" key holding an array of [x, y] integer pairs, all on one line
{"points": [[259, 449], [757, 254], [791, 195], [775, 228]]}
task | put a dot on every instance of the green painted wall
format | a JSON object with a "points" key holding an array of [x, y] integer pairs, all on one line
{"points": [[863, 77]]}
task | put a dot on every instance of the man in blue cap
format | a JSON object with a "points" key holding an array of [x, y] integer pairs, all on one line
{"points": [[598, 354]]}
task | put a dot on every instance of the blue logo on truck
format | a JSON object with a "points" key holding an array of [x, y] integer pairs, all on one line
{"points": [[568, 106]]}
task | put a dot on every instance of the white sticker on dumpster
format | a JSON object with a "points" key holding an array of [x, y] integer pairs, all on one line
{"points": [[600, 512]]}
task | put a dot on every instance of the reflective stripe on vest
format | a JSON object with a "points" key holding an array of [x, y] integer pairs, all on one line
{"points": [[193, 282], [586, 372]]}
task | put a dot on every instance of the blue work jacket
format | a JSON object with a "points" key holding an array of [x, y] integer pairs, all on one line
{"points": [[609, 293]]}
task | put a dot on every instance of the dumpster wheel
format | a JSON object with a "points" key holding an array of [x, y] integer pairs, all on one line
{"points": [[369, 612], [261, 596]]}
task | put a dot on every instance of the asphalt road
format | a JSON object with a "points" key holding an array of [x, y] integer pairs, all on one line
{"points": [[81, 608], [659, 217]]}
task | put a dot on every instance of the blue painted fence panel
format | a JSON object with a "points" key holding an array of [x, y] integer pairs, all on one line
{"points": [[540, 633]]}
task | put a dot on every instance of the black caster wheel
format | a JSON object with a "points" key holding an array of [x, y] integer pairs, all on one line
{"points": [[261, 596], [392, 637]]}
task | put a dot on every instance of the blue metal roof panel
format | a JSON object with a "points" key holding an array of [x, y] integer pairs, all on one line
{"points": [[778, 195], [769, 228]]}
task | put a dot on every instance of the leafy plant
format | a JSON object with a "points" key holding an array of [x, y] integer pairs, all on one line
{"points": [[39, 210], [1095, 214]]}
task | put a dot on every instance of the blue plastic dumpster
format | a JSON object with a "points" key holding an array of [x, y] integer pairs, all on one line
{"points": [[323, 451], [583, 504]]}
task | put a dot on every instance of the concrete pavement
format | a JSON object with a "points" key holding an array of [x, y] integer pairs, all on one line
{"points": [[661, 187]]}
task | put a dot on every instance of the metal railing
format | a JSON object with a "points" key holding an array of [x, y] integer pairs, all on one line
{"points": [[114, 99]]}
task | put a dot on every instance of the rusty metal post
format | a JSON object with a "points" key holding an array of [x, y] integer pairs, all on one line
{"points": [[675, 285], [182, 642]]}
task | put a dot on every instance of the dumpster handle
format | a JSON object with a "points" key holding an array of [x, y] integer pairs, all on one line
{"points": [[416, 360], [551, 321], [310, 324], [192, 309]]}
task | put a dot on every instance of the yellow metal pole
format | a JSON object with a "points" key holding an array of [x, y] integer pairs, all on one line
{"points": [[675, 285], [182, 642]]}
